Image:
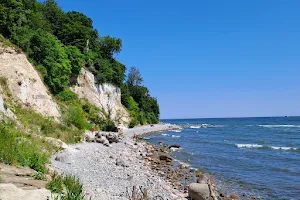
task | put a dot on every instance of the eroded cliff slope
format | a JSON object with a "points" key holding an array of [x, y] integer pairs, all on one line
{"points": [[25, 84], [107, 97]]}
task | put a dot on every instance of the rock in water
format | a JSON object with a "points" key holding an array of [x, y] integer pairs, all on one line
{"points": [[234, 196], [174, 146], [199, 191]]}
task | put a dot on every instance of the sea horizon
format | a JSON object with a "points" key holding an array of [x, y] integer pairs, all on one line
{"points": [[191, 118]]}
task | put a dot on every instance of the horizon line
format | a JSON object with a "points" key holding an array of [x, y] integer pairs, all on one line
{"points": [[231, 117]]}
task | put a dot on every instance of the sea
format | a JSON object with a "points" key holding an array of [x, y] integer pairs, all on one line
{"points": [[249, 156]]}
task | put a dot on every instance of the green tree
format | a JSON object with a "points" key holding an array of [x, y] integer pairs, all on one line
{"points": [[134, 77], [46, 50], [76, 58]]}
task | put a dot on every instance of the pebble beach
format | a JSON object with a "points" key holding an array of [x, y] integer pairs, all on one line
{"points": [[111, 172]]}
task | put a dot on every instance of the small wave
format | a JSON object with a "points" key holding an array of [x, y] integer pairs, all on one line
{"points": [[177, 131], [249, 145], [284, 148], [176, 149], [196, 126], [164, 134], [176, 136], [281, 126], [183, 163], [262, 146], [147, 138]]}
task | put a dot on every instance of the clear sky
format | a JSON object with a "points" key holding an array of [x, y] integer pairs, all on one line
{"points": [[208, 58]]}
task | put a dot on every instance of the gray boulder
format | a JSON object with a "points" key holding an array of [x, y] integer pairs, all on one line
{"points": [[102, 140], [199, 191], [63, 157], [203, 179], [112, 137]]}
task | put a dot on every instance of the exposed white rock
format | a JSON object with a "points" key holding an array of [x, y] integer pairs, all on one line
{"points": [[11, 192], [7, 112], [107, 97], [25, 84]]}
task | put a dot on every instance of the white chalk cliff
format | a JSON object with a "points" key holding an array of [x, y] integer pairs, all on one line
{"points": [[25, 84], [107, 97]]}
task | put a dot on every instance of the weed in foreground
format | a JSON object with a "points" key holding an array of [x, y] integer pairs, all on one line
{"points": [[68, 187]]}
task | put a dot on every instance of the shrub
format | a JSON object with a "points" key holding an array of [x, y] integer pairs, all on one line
{"points": [[108, 125], [67, 95], [68, 187], [75, 115], [56, 184], [133, 123], [39, 176]]}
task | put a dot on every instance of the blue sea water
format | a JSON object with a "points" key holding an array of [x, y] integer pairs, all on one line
{"points": [[252, 156]]}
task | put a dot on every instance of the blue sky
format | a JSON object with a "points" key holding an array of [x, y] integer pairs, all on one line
{"points": [[208, 58]]}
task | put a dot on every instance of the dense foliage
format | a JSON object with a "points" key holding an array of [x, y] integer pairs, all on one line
{"points": [[61, 43]]}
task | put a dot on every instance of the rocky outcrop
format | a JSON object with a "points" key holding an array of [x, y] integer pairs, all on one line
{"points": [[107, 97], [18, 183], [11, 192], [25, 84]]}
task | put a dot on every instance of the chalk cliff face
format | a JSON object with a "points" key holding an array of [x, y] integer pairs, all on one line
{"points": [[107, 97], [25, 84], [6, 111]]}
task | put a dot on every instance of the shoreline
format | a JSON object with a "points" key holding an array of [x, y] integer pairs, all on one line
{"points": [[111, 172]]}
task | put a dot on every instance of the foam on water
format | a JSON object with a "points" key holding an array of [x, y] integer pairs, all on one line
{"points": [[176, 149], [177, 131], [262, 146], [249, 145], [281, 126], [176, 136], [283, 148]]}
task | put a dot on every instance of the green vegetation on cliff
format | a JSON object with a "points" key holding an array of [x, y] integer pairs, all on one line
{"points": [[17, 148], [60, 43]]}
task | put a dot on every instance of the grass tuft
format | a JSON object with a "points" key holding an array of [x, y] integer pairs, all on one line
{"points": [[68, 187]]}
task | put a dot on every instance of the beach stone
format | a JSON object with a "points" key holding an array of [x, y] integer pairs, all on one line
{"points": [[112, 137], [199, 191], [149, 158], [177, 183], [102, 140], [166, 158], [203, 178], [234, 196], [222, 195], [120, 162], [63, 157]]}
